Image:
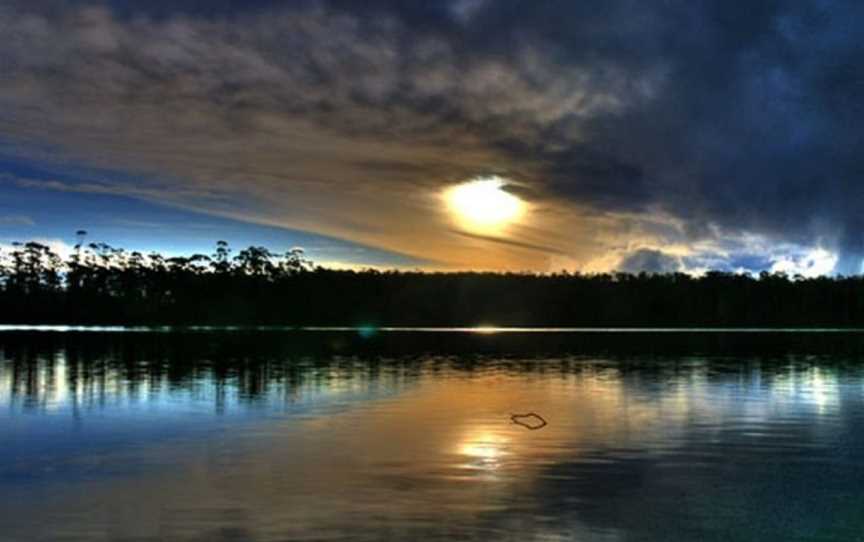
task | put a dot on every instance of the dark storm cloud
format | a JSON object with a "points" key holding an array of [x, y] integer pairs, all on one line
{"points": [[734, 118]]}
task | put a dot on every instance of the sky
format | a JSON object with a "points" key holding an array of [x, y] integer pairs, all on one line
{"points": [[461, 134]]}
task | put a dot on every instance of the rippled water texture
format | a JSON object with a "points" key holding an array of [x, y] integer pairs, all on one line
{"points": [[342, 436]]}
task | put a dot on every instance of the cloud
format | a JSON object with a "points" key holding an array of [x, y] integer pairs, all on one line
{"points": [[16, 220], [627, 125], [650, 261], [509, 242], [106, 188], [812, 263]]}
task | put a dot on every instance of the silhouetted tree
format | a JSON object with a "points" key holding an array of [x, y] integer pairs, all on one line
{"points": [[102, 284], [221, 260]]}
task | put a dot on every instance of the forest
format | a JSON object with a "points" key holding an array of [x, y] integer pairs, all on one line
{"points": [[101, 284]]}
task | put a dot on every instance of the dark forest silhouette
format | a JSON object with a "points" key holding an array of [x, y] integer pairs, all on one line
{"points": [[100, 284]]}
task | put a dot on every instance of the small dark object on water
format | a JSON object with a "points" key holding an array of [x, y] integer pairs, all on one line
{"points": [[530, 420]]}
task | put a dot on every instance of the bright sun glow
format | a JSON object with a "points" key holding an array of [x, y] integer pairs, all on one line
{"points": [[482, 204]]}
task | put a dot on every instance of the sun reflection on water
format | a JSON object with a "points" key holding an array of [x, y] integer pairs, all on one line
{"points": [[484, 450]]}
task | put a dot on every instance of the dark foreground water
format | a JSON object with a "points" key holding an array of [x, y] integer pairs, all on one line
{"points": [[275, 436]]}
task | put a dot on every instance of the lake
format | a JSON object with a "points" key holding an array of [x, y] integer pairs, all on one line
{"points": [[370, 434]]}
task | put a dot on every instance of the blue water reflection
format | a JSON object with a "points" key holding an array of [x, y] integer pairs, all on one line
{"points": [[204, 437]]}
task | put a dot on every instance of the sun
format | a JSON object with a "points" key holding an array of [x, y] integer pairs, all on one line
{"points": [[482, 205]]}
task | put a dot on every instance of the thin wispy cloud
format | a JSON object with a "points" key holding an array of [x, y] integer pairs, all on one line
{"points": [[16, 220]]}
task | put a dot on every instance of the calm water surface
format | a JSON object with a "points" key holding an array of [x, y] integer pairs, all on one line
{"points": [[339, 436]]}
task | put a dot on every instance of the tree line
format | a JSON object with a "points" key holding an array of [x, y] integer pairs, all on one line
{"points": [[101, 284]]}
